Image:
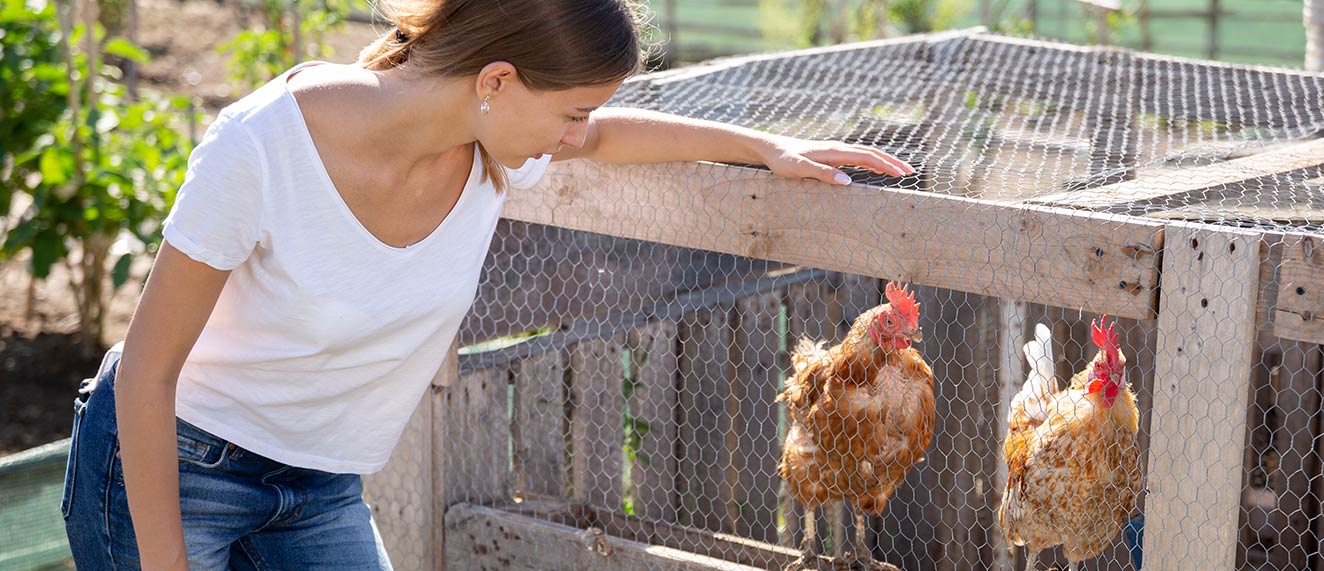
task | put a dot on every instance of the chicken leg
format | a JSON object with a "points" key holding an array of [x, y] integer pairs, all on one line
{"points": [[807, 559], [861, 557]]}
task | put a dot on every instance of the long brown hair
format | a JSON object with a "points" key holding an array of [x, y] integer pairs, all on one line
{"points": [[554, 44]]}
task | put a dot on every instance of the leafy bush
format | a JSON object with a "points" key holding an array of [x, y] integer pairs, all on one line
{"points": [[94, 163], [286, 33]]}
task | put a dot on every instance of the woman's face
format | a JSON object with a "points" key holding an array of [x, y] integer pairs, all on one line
{"points": [[522, 123]]}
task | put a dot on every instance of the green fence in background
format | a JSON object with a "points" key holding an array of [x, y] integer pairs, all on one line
{"points": [[1266, 32], [31, 529]]}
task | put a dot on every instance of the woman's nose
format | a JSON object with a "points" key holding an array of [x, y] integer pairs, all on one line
{"points": [[574, 136]]}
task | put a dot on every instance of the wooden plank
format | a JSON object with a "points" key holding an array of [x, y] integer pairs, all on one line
{"points": [[705, 385], [1256, 522], [400, 495], [724, 546], [960, 343], [597, 427], [1141, 339], [489, 538], [756, 354], [1015, 329], [1297, 402], [809, 312], [855, 295], [470, 440], [1300, 311], [1045, 255], [654, 403], [540, 433], [1317, 486], [727, 547], [1169, 186], [540, 275], [1205, 341], [619, 321]]}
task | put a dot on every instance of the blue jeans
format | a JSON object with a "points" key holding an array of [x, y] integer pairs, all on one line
{"points": [[240, 510]]}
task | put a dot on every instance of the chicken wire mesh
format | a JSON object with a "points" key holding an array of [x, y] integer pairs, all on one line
{"points": [[619, 381]]}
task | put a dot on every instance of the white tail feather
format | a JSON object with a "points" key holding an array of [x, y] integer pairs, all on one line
{"points": [[1036, 394]]}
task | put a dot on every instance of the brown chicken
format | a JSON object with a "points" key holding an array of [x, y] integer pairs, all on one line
{"points": [[861, 415], [1073, 463]]}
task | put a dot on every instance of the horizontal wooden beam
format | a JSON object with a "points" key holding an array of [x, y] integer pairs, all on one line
{"points": [[1300, 311], [621, 319], [1053, 256], [479, 537], [1167, 186]]}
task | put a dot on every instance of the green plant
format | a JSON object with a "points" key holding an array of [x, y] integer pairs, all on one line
{"points": [[632, 360], [869, 19], [104, 166], [32, 86], [279, 38]]}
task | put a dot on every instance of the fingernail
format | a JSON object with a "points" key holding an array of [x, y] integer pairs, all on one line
{"points": [[842, 178]]}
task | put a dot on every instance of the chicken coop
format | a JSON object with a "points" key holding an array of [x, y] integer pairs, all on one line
{"points": [[612, 402]]}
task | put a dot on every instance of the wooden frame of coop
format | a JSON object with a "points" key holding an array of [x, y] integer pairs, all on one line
{"points": [[479, 483]]}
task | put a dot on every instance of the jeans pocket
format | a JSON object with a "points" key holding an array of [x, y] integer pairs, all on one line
{"points": [[71, 465], [199, 447]]}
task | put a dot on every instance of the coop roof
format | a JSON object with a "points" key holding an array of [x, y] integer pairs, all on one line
{"points": [[1012, 120]]}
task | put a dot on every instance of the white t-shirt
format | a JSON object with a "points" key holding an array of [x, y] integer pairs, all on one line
{"points": [[324, 338]]}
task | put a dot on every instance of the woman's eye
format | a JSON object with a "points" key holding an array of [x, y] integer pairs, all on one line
{"points": [[579, 119]]}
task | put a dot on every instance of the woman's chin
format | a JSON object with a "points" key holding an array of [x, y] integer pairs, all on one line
{"points": [[512, 162]]}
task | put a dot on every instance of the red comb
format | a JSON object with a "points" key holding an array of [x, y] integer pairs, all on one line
{"points": [[903, 303], [1106, 339]]}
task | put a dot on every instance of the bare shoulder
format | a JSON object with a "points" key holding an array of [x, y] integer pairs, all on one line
{"points": [[330, 89]]}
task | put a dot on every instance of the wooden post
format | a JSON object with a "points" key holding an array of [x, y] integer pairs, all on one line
{"points": [[757, 450], [540, 430], [705, 374], [1206, 334], [471, 441], [597, 427], [1011, 372], [1297, 401], [653, 474]]}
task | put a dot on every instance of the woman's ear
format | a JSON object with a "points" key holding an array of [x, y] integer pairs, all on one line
{"points": [[495, 78]]}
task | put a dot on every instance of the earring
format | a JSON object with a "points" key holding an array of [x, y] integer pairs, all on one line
{"points": [[484, 107]]}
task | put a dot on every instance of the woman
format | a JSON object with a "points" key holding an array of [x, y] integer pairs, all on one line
{"points": [[321, 253]]}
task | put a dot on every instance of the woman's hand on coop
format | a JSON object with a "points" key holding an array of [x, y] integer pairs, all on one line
{"points": [[820, 160]]}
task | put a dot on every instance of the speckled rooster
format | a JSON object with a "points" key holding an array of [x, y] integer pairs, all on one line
{"points": [[861, 415], [1073, 464]]}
